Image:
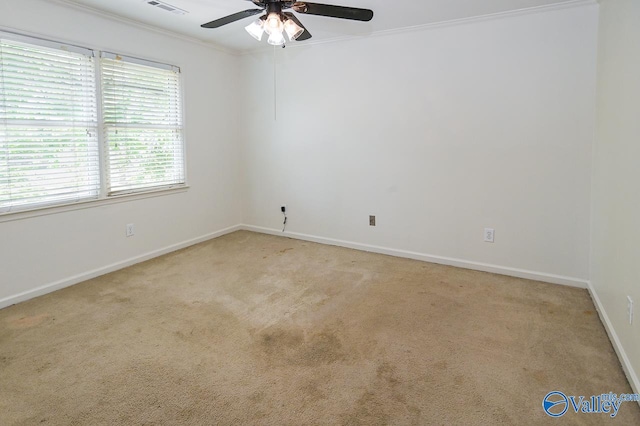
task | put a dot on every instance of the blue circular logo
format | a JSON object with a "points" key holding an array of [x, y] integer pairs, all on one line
{"points": [[555, 404]]}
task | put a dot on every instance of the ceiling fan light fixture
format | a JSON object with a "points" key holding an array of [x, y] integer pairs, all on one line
{"points": [[292, 29], [276, 39], [275, 20], [256, 29], [273, 24]]}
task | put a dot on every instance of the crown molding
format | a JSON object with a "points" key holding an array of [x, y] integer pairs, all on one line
{"points": [[569, 4], [132, 22], [244, 52]]}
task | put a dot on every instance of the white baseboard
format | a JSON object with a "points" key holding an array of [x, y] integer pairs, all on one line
{"points": [[460, 263], [66, 282], [615, 341], [503, 270]]}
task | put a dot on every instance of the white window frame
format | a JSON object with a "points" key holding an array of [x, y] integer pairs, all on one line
{"points": [[103, 197]]}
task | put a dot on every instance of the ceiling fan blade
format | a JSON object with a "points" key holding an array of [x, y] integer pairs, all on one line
{"points": [[332, 11], [306, 35], [231, 18]]}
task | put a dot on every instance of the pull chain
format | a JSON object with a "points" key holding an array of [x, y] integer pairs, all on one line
{"points": [[275, 87]]}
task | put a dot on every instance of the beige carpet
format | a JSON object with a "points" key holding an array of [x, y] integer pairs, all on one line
{"points": [[256, 329]]}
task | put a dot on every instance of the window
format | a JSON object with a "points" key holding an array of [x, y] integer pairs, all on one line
{"points": [[54, 147], [142, 124], [48, 126]]}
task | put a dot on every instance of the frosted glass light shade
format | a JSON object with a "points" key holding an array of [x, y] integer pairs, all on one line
{"points": [[276, 39], [256, 29], [273, 24], [292, 29]]}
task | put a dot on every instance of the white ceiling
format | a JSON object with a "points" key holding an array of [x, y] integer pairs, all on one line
{"points": [[388, 15]]}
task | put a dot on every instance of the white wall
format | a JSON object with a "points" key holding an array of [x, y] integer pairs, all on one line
{"points": [[615, 268], [439, 132], [55, 248]]}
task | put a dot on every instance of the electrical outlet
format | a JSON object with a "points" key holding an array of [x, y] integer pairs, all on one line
{"points": [[130, 230], [630, 309], [372, 221], [489, 234]]}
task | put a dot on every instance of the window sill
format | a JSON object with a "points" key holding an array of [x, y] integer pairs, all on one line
{"points": [[80, 205]]}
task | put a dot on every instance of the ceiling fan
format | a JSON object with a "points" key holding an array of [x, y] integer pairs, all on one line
{"points": [[275, 22]]}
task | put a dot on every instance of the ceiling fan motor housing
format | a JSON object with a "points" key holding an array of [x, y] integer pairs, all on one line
{"points": [[274, 7]]}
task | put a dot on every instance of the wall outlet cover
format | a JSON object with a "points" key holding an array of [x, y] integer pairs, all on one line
{"points": [[489, 235]]}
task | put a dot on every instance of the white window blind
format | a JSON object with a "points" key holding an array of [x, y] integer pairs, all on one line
{"points": [[48, 126], [142, 116]]}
